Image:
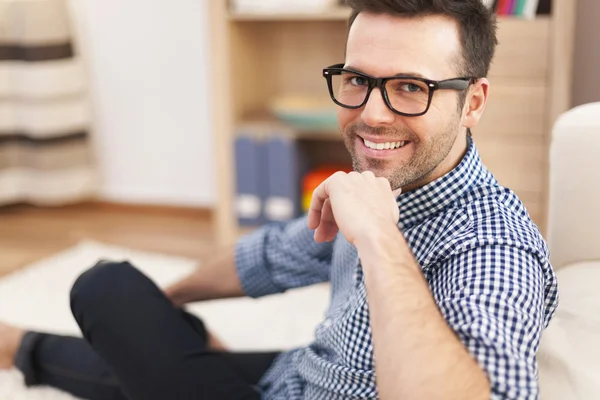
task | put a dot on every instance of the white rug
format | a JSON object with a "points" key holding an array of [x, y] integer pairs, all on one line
{"points": [[37, 298]]}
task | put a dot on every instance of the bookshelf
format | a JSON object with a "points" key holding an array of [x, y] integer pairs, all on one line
{"points": [[335, 14], [531, 85]]}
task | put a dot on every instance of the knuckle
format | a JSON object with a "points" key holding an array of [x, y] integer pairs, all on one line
{"points": [[383, 181], [338, 175]]}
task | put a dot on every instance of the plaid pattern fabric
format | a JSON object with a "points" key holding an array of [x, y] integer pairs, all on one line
{"points": [[486, 263]]}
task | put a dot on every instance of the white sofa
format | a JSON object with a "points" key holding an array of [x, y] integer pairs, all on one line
{"points": [[569, 355]]}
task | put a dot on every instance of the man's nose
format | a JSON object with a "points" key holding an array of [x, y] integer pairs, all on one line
{"points": [[376, 112]]}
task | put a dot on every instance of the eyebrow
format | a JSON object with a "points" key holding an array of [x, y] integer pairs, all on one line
{"points": [[413, 74]]}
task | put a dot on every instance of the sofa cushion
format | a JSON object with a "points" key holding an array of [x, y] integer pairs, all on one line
{"points": [[569, 355], [573, 213]]}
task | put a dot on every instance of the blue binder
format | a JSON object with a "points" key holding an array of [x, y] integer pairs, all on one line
{"points": [[250, 183], [284, 168]]}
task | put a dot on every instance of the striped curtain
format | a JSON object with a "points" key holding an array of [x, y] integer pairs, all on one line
{"points": [[45, 149]]}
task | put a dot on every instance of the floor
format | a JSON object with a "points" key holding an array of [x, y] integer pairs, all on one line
{"points": [[41, 299], [28, 233]]}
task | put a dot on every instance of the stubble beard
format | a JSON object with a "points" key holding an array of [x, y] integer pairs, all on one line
{"points": [[425, 158]]}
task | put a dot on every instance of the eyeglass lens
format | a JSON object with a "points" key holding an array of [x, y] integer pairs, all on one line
{"points": [[407, 96]]}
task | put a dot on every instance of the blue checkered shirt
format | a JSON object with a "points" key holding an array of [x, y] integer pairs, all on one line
{"points": [[486, 264]]}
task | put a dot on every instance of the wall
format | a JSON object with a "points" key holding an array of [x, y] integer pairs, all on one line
{"points": [[586, 86], [148, 65]]}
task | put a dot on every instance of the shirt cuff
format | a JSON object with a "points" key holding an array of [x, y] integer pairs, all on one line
{"points": [[252, 267]]}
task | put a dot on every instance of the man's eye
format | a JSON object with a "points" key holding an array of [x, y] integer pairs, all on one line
{"points": [[357, 81], [410, 87]]}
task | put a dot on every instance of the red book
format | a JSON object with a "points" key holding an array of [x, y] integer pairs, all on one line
{"points": [[512, 7], [503, 6]]}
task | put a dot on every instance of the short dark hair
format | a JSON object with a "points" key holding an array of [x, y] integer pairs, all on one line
{"points": [[476, 21]]}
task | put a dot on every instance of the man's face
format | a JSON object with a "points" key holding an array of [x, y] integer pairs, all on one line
{"points": [[381, 46]]}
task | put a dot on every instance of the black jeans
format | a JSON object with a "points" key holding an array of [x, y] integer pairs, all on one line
{"points": [[137, 346]]}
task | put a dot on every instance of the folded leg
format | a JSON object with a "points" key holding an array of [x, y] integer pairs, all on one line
{"points": [[151, 350]]}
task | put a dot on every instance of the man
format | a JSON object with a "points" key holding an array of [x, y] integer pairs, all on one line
{"points": [[441, 285]]}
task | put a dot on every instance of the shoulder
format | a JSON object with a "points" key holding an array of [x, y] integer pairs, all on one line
{"points": [[496, 216], [487, 215], [500, 249]]}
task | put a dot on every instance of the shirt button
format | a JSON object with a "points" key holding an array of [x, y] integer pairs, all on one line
{"points": [[327, 323]]}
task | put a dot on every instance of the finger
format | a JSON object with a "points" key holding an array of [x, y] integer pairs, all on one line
{"points": [[328, 228], [385, 182], [395, 209], [320, 194], [328, 222], [316, 205], [369, 174]]}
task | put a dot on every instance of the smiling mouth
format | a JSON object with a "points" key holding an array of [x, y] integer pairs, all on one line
{"points": [[385, 145]]}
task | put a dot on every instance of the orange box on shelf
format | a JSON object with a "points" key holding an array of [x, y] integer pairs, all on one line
{"points": [[314, 178]]}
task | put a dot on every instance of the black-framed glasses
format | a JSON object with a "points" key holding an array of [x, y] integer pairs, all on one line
{"points": [[409, 96]]}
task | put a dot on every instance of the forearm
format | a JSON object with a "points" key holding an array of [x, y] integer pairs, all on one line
{"points": [[216, 278], [417, 355]]}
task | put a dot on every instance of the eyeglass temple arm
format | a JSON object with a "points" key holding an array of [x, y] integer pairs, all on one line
{"points": [[456, 84]]}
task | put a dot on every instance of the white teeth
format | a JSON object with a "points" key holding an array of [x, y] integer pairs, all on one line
{"points": [[384, 146]]}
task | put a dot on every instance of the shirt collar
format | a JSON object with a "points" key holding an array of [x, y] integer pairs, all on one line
{"points": [[426, 201]]}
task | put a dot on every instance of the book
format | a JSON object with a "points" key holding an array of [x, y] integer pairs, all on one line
{"points": [[530, 9], [283, 178], [249, 178], [544, 7], [520, 7], [502, 8]]}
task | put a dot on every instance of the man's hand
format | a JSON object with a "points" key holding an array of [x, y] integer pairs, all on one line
{"points": [[354, 204]]}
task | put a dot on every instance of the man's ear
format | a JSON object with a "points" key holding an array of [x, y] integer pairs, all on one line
{"points": [[475, 103]]}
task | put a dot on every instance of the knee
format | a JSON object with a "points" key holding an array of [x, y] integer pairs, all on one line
{"points": [[101, 288]]}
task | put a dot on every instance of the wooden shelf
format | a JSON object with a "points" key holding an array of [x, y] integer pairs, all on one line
{"points": [[315, 135], [335, 14], [255, 54], [266, 124]]}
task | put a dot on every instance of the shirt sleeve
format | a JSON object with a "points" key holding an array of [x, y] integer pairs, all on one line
{"points": [[494, 299], [281, 256]]}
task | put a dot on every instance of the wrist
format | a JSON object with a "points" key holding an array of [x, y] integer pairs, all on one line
{"points": [[374, 236], [386, 246], [378, 241]]}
